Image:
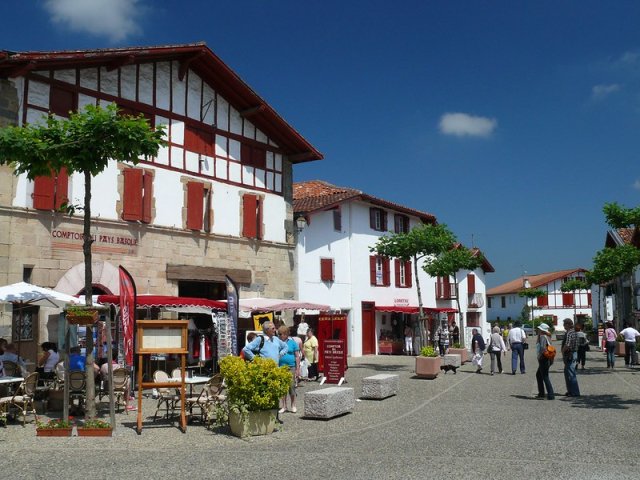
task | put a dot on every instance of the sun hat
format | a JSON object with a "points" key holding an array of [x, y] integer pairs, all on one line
{"points": [[544, 327]]}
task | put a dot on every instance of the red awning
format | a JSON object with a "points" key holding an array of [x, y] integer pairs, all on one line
{"points": [[414, 310], [166, 301], [441, 310]]}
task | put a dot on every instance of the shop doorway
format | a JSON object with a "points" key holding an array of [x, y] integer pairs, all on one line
{"points": [[210, 290], [368, 328]]}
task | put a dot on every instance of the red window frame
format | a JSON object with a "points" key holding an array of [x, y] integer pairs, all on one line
{"points": [[195, 205], [252, 216], [373, 269], [326, 269], [398, 265], [543, 301], [471, 284], [568, 299], [401, 223], [51, 192], [199, 141], [137, 196], [375, 214], [62, 101], [253, 156]]}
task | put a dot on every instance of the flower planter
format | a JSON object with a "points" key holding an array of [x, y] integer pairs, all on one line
{"points": [[428, 367], [53, 432], [464, 355], [95, 432], [258, 423], [86, 317], [620, 349]]}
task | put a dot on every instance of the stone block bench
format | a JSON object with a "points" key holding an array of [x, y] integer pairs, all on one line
{"points": [[329, 402], [380, 386], [451, 361]]}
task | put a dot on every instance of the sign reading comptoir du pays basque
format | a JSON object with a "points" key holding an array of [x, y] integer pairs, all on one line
{"points": [[102, 242]]}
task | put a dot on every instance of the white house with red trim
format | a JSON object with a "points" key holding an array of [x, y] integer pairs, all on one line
{"points": [[216, 201], [504, 303], [336, 267]]}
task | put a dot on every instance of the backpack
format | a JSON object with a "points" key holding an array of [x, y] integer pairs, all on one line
{"points": [[549, 352], [256, 351]]}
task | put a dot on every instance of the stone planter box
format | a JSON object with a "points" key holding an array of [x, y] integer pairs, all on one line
{"points": [[464, 354], [258, 423], [54, 432], [620, 349], [428, 367], [94, 432], [87, 317]]}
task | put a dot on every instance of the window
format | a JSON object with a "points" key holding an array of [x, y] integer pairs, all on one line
{"points": [[471, 284], [445, 289], [378, 219], [503, 302], [567, 299], [379, 270], [198, 206], [337, 219], [50, 193], [401, 223], [473, 319], [138, 195], [488, 302], [326, 269], [62, 101], [27, 272], [198, 141], [543, 301], [252, 216], [403, 273], [253, 156]]}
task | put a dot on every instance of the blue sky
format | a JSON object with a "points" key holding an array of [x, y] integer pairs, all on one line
{"points": [[513, 122]]}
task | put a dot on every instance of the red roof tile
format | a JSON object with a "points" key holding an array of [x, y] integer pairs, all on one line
{"points": [[314, 195], [537, 280]]}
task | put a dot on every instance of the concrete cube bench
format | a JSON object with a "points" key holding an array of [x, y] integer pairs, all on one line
{"points": [[329, 402], [380, 386], [451, 361]]}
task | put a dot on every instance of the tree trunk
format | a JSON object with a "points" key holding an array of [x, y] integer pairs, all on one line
{"points": [[460, 314], [421, 327], [88, 291]]}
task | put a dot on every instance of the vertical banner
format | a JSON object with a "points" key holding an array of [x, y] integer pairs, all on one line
{"points": [[127, 313], [232, 312]]}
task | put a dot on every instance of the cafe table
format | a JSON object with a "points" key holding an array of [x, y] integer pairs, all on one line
{"points": [[191, 381]]}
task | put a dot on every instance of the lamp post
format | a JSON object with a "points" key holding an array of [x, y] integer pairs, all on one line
{"points": [[527, 284]]}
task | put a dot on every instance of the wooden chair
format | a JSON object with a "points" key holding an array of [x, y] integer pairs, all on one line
{"points": [[121, 387], [22, 400], [77, 388], [210, 395], [176, 373], [166, 396], [11, 369]]}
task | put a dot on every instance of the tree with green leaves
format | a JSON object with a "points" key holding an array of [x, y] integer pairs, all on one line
{"points": [[423, 242], [574, 285], [83, 143], [447, 264], [531, 294]]}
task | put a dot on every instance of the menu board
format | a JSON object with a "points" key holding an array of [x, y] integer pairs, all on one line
{"points": [[334, 355]]}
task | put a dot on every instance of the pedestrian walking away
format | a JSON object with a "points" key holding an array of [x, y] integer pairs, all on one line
{"points": [[477, 347], [408, 339], [583, 345], [609, 340], [629, 334], [516, 340], [570, 358], [542, 374], [496, 349]]}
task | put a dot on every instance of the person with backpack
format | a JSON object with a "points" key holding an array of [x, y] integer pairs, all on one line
{"points": [[267, 345], [545, 360]]}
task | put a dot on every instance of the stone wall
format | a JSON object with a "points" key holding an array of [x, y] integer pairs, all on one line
{"points": [[8, 103]]}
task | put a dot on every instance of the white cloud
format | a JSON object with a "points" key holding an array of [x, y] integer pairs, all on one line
{"points": [[600, 92], [629, 58], [463, 124], [114, 19], [636, 184]]}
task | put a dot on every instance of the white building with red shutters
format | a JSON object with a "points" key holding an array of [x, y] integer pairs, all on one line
{"points": [[216, 201], [504, 302], [336, 267]]}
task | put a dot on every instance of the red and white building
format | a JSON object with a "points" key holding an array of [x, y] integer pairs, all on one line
{"points": [[504, 303], [378, 294]]}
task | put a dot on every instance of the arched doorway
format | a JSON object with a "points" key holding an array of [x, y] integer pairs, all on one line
{"points": [[105, 279]]}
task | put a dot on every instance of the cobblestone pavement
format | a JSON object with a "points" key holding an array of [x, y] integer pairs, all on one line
{"points": [[463, 425]]}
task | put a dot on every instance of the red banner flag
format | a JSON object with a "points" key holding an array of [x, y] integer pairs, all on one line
{"points": [[127, 313]]}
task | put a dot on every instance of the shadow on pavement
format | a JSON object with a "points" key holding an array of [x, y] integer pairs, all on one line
{"points": [[380, 368], [613, 402]]}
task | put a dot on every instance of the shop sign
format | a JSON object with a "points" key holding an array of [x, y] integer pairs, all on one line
{"points": [[102, 242], [334, 355], [400, 302]]}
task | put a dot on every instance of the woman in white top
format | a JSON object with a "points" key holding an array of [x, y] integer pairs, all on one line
{"points": [[48, 359], [495, 348]]}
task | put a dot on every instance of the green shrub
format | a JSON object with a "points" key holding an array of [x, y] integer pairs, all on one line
{"points": [[428, 352]]}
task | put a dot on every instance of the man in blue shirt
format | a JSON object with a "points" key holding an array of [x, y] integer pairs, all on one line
{"points": [[272, 347], [76, 360]]}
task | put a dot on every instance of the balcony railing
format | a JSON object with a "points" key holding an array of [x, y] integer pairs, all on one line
{"points": [[445, 291]]}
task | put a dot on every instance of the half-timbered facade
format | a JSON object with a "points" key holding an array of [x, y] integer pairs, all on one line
{"points": [[378, 294], [215, 201]]}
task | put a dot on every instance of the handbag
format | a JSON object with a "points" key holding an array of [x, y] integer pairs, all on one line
{"points": [[525, 346]]}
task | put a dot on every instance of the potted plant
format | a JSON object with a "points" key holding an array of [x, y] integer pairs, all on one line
{"points": [[428, 363], [457, 349], [81, 314], [56, 427], [620, 346], [253, 392], [95, 428]]}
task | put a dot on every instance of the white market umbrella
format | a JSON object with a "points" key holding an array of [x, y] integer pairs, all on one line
{"points": [[23, 293], [277, 304]]}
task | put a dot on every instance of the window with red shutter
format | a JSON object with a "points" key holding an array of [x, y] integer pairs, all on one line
{"points": [[401, 223], [397, 272], [588, 299], [44, 193], [543, 301], [386, 272], [198, 141], [147, 196], [378, 219], [471, 284], [407, 274], [259, 157], [251, 216], [195, 208], [62, 188], [62, 101], [372, 269], [326, 269], [132, 200], [567, 299]]}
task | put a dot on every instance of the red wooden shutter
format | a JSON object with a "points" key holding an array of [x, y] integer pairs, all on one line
{"points": [[372, 269], [588, 299], [132, 205], [543, 301], [383, 220], [249, 216], [61, 101], [396, 269], [259, 229], [326, 269], [195, 197], [259, 158], [471, 284], [147, 197], [245, 154], [62, 188], [198, 141], [386, 272], [407, 274], [567, 299], [43, 193]]}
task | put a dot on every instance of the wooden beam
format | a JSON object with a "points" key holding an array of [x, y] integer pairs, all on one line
{"points": [[121, 62], [184, 65], [211, 274], [247, 112], [22, 70]]}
